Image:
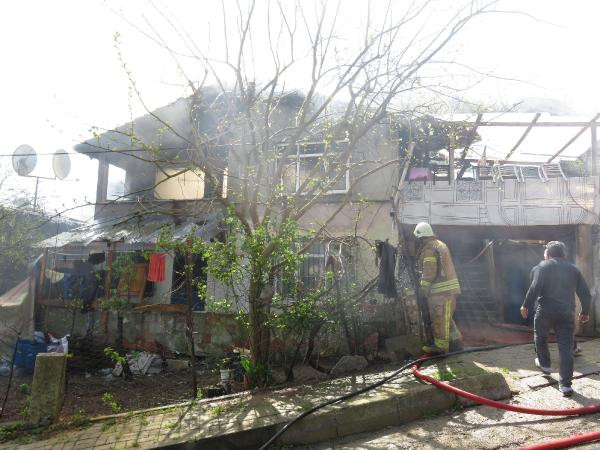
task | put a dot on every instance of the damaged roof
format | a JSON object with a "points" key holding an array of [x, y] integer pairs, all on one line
{"points": [[510, 136], [132, 231]]}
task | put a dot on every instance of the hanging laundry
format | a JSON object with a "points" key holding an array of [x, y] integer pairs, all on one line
{"points": [[156, 271], [386, 258]]}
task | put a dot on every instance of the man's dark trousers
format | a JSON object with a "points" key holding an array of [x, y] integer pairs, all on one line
{"points": [[563, 323]]}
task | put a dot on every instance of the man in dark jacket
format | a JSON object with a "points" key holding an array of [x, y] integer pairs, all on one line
{"points": [[554, 282]]}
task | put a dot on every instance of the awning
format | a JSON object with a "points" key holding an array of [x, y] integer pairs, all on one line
{"points": [[132, 231]]}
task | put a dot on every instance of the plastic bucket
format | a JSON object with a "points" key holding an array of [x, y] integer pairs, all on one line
{"points": [[26, 353]]}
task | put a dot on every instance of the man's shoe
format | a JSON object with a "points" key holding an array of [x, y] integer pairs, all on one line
{"points": [[546, 370], [576, 351], [566, 391], [432, 350]]}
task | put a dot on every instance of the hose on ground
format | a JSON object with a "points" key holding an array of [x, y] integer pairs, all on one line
{"points": [[590, 409], [415, 365], [376, 385]]}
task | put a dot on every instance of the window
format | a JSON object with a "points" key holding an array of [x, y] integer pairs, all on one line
{"points": [[324, 256], [312, 158], [115, 188], [187, 185]]}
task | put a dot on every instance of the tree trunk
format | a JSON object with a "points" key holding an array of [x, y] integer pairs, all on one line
{"points": [[259, 301], [189, 317], [290, 372], [310, 346]]}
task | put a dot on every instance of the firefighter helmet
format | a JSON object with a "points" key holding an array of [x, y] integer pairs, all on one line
{"points": [[423, 229]]}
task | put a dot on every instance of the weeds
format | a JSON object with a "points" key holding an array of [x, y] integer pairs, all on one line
{"points": [[11, 432], [217, 410], [108, 425], [80, 419], [109, 400]]}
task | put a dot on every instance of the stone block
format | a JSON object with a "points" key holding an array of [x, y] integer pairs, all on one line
{"points": [[366, 414], [349, 364], [48, 388], [489, 385], [314, 428], [423, 400], [398, 347]]}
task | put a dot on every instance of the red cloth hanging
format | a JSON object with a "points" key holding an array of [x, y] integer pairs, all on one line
{"points": [[156, 271]]}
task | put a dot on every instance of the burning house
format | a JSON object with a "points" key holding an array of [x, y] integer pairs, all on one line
{"points": [[151, 175], [494, 190]]}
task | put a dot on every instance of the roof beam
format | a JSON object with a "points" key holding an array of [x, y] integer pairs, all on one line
{"points": [[579, 133], [522, 138], [469, 143], [537, 124]]}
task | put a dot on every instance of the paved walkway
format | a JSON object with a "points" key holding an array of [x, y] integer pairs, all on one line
{"points": [[487, 428], [265, 411]]}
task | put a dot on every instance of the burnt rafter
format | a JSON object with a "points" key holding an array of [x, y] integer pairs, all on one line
{"points": [[574, 138], [463, 158], [431, 134], [523, 136]]}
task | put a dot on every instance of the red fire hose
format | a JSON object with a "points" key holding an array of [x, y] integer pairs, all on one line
{"points": [[561, 443]]}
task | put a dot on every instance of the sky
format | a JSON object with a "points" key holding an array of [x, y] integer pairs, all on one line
{"points": [[63, 68]]}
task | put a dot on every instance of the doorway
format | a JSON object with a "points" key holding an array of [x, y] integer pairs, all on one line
{"points": [[514, 261]]}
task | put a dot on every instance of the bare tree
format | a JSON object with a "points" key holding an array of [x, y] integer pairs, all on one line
{"points": [[248, 134]]}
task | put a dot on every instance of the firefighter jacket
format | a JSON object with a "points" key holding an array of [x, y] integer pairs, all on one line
{"points": [[437, 269]]}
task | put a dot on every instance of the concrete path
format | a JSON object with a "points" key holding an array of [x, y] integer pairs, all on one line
{"points": [[487, 428], [249, 420]]}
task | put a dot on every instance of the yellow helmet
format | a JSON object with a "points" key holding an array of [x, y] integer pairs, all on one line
{"points": [[423, 229]]}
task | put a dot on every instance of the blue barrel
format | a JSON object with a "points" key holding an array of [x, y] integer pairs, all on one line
{"points": [[26, 353]]}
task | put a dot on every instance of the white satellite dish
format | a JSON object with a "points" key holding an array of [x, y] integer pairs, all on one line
{"points": [[24, 159], [61, 164]]}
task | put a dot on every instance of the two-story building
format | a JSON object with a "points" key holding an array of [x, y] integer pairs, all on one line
{"points": [[504, 194], [148, 178]]}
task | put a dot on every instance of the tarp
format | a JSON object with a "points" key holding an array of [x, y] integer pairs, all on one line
{"points": [[16, 316]]}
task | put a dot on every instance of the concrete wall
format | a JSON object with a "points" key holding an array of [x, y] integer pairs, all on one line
{"points": [[215, 333]]}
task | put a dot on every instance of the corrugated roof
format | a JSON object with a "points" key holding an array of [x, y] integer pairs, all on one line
{"points": [[130, 232]]}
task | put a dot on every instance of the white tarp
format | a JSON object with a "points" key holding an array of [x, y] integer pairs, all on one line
{"points": [[16, 316]]}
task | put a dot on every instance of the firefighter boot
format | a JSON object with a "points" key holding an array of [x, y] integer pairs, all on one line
{"points": [[432, 350]]}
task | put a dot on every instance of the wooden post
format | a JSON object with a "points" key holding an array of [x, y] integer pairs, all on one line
{"points": [[493, 277], [450, 165], [107, 285], [583, 261], [189, 316], [38, 312], [594, 150], [42, 277]]}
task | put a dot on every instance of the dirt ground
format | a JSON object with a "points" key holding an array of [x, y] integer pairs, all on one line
{"points": [[84, 393], [83, 396]]}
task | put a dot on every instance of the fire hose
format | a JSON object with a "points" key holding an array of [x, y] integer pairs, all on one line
{"points": [[415, 365]]}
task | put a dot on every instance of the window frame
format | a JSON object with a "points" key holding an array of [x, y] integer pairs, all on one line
{"points": [[298, 156]]}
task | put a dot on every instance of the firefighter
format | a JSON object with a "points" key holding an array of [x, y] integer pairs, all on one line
{"points": [[439, 287]]}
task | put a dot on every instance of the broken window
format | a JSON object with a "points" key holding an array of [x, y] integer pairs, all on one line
{"points": [[115, 189], [317, 165], [179, 184]]}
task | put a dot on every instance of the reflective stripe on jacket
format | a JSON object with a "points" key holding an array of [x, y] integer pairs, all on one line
{"points": [[436, 267]]}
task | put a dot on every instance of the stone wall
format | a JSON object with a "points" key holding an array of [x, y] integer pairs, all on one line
{"points": [[215, 333]]}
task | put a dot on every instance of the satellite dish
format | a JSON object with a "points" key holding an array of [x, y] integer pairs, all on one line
{"points": [[61, 164], [24, 159]]}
